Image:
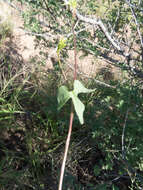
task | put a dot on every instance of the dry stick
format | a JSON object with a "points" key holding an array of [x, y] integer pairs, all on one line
{"points": [[96, 21], [71, 115], [138, 28]]}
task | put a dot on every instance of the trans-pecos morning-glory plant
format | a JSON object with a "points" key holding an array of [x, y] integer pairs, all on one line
{"points": [[64, 95]]}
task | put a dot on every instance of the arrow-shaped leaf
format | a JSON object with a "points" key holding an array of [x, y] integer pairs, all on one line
{"points": [[79, 88], [63, 96], [78, 105]]}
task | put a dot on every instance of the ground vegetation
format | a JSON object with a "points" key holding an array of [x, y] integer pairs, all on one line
{"points": [[97, 44]]}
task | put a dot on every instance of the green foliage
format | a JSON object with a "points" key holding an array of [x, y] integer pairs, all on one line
{"points": [[73, 3], [28, 104], [30, 22], [97, 170], [64, 95], [61, 45]]}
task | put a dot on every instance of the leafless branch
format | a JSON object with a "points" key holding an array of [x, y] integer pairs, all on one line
{"points": [[135, 6], [96, 81], [95, 21], [137, 24], [102, 26]]}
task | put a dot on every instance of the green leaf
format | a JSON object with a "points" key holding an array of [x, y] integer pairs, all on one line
{"points": [[2, 100], [97, 170], [78, 105], [114, 187], [73, 3], [101, 187], [61, 45], [63, 96], [79, 88]]}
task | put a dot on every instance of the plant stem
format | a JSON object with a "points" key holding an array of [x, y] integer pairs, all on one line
{"points": [[59, 60], [66, 149], [74, 41], [72, 112]]}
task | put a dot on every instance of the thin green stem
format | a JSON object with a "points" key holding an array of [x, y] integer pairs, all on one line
{"points": [[59, 60]]}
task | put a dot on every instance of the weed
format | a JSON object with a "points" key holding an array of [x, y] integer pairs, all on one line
{"points": [[105, 152]]}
